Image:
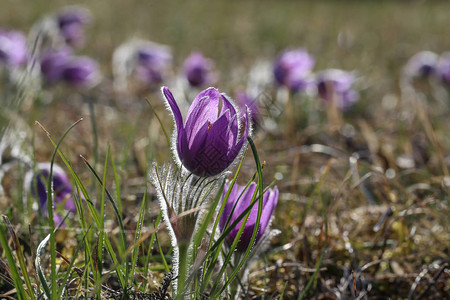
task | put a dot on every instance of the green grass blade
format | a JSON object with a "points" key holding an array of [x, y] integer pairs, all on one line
{"points": [[138, 235], [21, 294]]}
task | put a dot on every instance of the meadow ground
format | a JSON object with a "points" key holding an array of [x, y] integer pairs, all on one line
{"points": [[364, 194]]}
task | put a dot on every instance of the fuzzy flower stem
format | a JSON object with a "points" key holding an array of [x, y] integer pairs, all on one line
{"points": [[183, 262]]}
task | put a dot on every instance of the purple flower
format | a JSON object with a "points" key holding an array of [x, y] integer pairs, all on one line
{"points": [[421, 65], [81, 71], [53, 63], [61, 65], [71, 21], [238, 201], [153, 63], [62, 188], [292, 68], [208, 143], [199, 70], [336, 85], [443, 67], [243, 99], [13, 47]]}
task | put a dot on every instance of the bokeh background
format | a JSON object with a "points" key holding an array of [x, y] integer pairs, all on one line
{"points": [[373, 38]]}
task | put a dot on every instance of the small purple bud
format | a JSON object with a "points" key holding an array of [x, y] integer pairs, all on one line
{"points": [[71, 21], [443, 67], [62, 188], [13, 47], [421, 65], [240, 200], [209, 142], [292, 67], [199, 70], [336, 85], [81, 71]]}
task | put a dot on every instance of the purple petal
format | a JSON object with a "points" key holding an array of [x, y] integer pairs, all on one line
{"points": [[243, 203], [236, 148], [205, 108], [269, 204], [233, 126], [175, 109], [211, 155]]}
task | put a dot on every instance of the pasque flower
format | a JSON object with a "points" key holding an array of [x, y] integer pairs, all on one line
{"points": [[238, 201], [337, 85], [61, 65], [421, 65], [292, 69], [71, 22], [199, 70], [62, 188], [153, 63], [13, 47], [209, 142]]}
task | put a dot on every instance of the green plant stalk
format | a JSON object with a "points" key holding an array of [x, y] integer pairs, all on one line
{"points": [[183, 267], [20, 257]]}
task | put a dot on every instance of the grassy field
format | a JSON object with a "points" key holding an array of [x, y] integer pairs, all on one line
{"points": [[364, 195]]}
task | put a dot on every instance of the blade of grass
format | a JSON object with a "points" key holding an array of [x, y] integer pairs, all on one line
{"points": [[20, 257], [21, 294], [138, 235]]}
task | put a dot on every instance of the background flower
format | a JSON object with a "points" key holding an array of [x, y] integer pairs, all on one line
{"points": [[292, 67], [199, 70], [337, 85], [13, 47]]}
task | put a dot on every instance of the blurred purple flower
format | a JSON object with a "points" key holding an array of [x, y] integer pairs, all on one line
{"points": [[13, 47], [81, 71], [71, 21], [421, 65], [239, 200], [53, 63], [208, 143], [443, 67], [153, 63], [62, 189], [243, 99], [292, 67], [61, 65], [199, 70], [336, 85]]}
